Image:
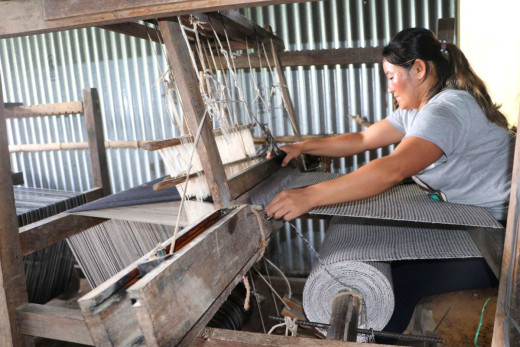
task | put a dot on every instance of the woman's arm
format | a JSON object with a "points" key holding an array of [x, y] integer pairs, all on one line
{"points": [[378, 135], [411, 156]]}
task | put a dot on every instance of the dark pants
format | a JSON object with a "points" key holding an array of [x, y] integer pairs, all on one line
{"points": [[416, 279]]}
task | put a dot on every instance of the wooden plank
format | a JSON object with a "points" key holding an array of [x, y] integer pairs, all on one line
{"points": [[52, 322], [194, 111], [318, 57], [48, 231], [286, 96], [177, 299], [108, 312], [490, 243], [234, 19], [108, 309], [509, 286], [26, 17], [244, 181], [230, 338], [136, 30], [13, 290], [344, 317], [96, 140], [61, 108]]}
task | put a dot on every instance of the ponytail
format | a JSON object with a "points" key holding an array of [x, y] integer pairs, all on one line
{"points": [[464, 78]]}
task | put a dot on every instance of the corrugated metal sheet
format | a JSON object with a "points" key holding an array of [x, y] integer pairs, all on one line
{"points": [[55, 67]]}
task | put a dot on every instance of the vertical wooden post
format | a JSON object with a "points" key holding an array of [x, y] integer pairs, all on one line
{"points": [[285, 90], [96, 139], [194, 110], [508, 301], [13, 290], [344, 317]]}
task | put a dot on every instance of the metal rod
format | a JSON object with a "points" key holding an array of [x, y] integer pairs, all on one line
{"points": [[369, 331]]}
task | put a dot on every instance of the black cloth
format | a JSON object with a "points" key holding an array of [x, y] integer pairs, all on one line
{"points": [[140, 195]]}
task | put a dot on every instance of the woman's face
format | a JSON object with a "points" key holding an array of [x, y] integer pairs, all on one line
{"points": [[402, 83]]}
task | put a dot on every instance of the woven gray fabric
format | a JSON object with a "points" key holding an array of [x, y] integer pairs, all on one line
{"points": [[406, 202], [369, 240]]}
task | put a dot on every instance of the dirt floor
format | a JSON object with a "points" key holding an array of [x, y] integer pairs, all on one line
{"points": [[464, 309]]}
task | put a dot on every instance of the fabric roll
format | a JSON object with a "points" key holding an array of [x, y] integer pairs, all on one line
{"points": [[371, 279], [356, 255]]}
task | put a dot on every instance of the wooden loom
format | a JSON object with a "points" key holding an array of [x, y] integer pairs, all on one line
{"points": [[52, 15]]}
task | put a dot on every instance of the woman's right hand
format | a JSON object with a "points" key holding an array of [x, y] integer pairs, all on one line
{"points": [[292, 151]]}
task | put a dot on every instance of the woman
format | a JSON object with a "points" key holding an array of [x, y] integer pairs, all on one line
{"points": [[452, 139]]}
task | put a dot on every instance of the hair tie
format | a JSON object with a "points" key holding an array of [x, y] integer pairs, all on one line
{"points": [[443, 47]]}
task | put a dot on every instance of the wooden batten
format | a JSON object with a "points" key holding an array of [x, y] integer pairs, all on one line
{"points": [[175, 301]]}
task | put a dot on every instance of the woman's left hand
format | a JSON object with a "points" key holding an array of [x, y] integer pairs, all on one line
{"points": [[290, 204]]}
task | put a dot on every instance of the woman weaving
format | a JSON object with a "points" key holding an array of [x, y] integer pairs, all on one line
{"points": [[453, 141]]}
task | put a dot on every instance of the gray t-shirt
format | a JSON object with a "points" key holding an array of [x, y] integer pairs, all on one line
{"points": [[478, 155]]}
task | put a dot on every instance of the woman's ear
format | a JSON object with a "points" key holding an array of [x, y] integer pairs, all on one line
{"points": [[419, 69]]}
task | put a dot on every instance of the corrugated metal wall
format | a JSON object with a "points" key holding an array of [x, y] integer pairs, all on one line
{"points": [[56, 67]]}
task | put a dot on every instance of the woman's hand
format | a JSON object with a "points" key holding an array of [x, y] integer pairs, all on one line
{"points": [[293, 151], [290, 204]]}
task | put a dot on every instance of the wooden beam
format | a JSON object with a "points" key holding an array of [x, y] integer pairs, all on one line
{"points": [[61, 108], [96, 140], [509, 286], [52, 322], [346, 307], [136, 30], [229, 338], [13, 290], [18, 18], [318, 57], [244, 181], [38, 235], [194, 111], [286, 96], [247, 27], [168, 311]]}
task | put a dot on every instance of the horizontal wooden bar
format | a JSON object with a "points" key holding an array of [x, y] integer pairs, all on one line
{"points": [[48, 231], [231, 338], [170, 182], [52, 322], [18, 18], [318, 57], [136, 30], [241, 183], [158, 144], [61, 108]]}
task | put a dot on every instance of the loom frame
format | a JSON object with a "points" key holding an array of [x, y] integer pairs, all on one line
{"points": [[36, 16]]}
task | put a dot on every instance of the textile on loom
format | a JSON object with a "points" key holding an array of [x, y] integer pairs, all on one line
{"points": [[366, 235], [49, 270]]}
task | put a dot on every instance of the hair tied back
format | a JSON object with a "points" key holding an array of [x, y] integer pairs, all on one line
{"points": [[443, 47]]}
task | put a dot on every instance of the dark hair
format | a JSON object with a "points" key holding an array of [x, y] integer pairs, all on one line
{"points": [[451, 66]]}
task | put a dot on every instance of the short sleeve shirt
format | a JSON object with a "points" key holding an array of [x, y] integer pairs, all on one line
{"points": [[478, 154]]}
